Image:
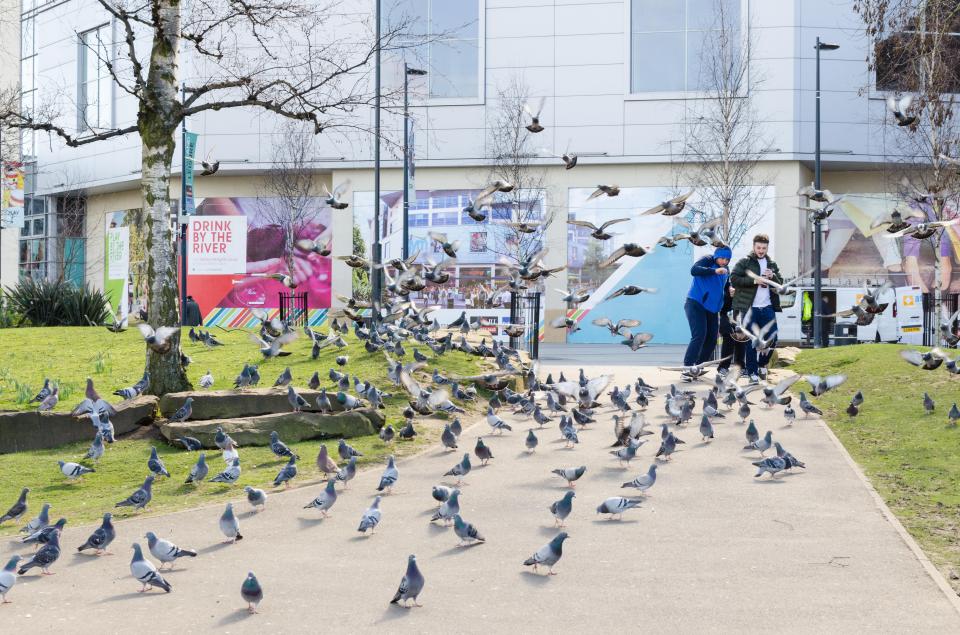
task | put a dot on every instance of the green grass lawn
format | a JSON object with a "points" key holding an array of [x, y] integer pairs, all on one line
{"points": [[70, 355], [912, 459]]}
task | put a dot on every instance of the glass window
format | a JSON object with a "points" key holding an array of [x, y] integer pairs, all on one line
{"points": [[95, 83], [419, 220], [452, 56], [667, 38], [445, 218]]}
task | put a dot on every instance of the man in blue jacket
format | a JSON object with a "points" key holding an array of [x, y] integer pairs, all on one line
{"points": [[704, 301]]}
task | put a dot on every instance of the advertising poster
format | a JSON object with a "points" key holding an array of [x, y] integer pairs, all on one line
{"points": [[217, 245], [117, 269], [11, 195]]}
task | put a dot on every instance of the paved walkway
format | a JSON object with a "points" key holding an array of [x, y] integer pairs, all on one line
{"points": [[712, 550]]}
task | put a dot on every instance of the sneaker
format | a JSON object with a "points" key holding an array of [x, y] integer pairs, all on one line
{"points": [[763, 374], [743, 374], [723, 372], [754, 380]]}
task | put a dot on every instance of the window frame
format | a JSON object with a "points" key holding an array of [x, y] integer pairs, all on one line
{"points": [[83, 50], [877, 93], [629, 95]]}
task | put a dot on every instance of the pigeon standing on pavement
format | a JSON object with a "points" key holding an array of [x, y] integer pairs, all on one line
{"points": [[789, 415], [562, 508], [531, 441], [256, 497], [347, 472], [286, 473], [751, 432], [370, 518], [144, 571], [447, 438], [461, 469], [411, 585], [548, 555], [761, 445], [101, 538], [616, 505], [389, 477], [570, 474], [495, 422], [165, 551], [466, 532], [139, 499], [448, 508], [483, 452], [644, 481], [706, 428], [807, 407], [42, 536], [45, 557], [251, 592], [229, 525], [8, 577]]}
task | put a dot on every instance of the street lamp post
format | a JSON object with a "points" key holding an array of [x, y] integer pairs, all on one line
{"points": [[818, 218], [377, 255], [407, 72]]}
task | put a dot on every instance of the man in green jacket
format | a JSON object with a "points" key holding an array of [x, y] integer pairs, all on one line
{"points": [[762, 301]]}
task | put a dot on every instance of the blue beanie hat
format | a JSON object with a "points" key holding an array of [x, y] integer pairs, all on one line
{"points": [[723, 252]]}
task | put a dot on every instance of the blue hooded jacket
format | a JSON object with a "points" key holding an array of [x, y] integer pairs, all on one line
{"points": [[708, 286]]}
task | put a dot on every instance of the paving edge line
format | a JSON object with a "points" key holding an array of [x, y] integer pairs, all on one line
{"points": [[918, 553]]}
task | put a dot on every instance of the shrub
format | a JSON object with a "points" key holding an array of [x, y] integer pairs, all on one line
{"points": [[59, 303], [8, 317]]}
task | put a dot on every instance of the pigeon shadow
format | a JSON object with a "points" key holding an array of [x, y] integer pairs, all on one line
{"points": [[458, 549], [307, 523], [521, 455], [247, 514], [768, 481], [396, 612], [429, 512], [360, 537], [534, 579], [130, 596], [551, 530], [237, 616], [619, 469], [83, 556], [615, 521], [214, 547], [438, 528]]}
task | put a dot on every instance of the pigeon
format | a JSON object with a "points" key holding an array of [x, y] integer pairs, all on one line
{"points": [[38, 523], [342, 360], [562, 508], [223, 440], [857, 399], [570, 474], [74, 470], [771, 464], [370, 518], [668, 446], [200, 470], [609, 190], [165, 551], [819, 385], [790, 415], [279, 448], [251, 592], [159, 341], [324, 462], [325, 500], [155, 464], [347, 472], [285, 475], [670, 207], [297, 402], [807, 407], [139, 499], [953, 415], [899, 109], [928, 404], [761, 445], [461, 469], [752, 434], [389, 477], [448, 508], [8, 577], [50, 401], [284, 378], [229, 525], [706, 428], [483, 452], [101, 538], [744, 411], [387, 433], [411, 585], [45, 392], [183, 413], [96, 448], [42, 536], [346, 452], [407, 432], [531, 441], [448, 438], [456, 427], [853, 410], [134, 390], [616, 505], [644, 481], [230, 475], [314, 383], [91, 402], [792, 461], [465, 531], [144, 571], [332, 198], [549, 554], [18, 509], [496, 423], [45, 556], [206, 381], [600, 232], [441, 493]]}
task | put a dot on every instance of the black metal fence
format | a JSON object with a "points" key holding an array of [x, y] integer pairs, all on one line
{"points": [[950, 305], [293, 308], [525, 310]]}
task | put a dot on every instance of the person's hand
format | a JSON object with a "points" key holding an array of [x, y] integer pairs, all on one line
{"points": [[768, 273], [721, 270], [733, 292]]}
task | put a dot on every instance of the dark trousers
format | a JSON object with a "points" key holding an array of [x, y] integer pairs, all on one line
{"points": [[703, 333], [730, 347], [761, 316]]}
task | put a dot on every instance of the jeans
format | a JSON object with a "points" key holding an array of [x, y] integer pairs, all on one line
{"points": [[761, 316], [703, 333], [730, 347]]}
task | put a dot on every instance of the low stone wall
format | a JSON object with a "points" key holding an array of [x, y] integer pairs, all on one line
{"points": [[231, 404], [291, 426], [32, 430]]}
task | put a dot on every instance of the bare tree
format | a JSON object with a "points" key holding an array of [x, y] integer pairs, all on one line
{"points": [[299, 59], [724, 135], [514, 152], [916, 52]]}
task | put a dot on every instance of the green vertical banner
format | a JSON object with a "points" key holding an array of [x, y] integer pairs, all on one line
{"points": [[189, 154], [116, 269]]}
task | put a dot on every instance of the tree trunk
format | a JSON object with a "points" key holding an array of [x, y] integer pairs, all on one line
{"points": [[937, 294], [158, 118]]}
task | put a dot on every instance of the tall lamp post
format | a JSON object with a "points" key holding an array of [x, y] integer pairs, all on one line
{"points": [[377, 253], [407, 72], [818, 218]]}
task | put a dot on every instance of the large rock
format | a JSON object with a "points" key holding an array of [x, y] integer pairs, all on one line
{"points": [[231, 404], [291, 426], [34, 430]]}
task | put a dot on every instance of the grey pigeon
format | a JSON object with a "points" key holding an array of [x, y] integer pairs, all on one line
{"points": [[761, 445], [531, 440], [297, 402], [155, 464], [323, 402], [390, 476], [18, 509], [456, 427], [928, 404], [101, 538], [41, 521], [96, 448], [251, 592], [411, 585], [441, 493], [706, 428], [616, 505], [324, 462], [256, 497], [668, 446], [8, 577], [279, 448], [200, 469], [461, 469], [140, 498], [165, 551], [807, 407], [644, 481], [408, 431], [74, 470], [448, 508], [495, 422], [562, 508], [371, 517], [857, 399], [483, 452], [50, 401], [448, 438], [347, 472], [346, 451], [820, 385], [206, 381], [42, 536], [190, 443], [45, 557], [790, 415], [314, 382], [325, 500], [953, 415], [752, 434], [570, 474], [628, 452], [134, 390], [744, 411], [387, 433], [284, 379], [223, 440], [286, 473], [549, 554], [45, 392], [144, 571], [465, 531], [771, 464], [183, 413], [229, 525], [792, 461], [230, 475]]}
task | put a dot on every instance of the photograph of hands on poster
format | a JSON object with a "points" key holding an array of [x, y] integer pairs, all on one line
{"points": [[477, 277], [852, 248]]}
